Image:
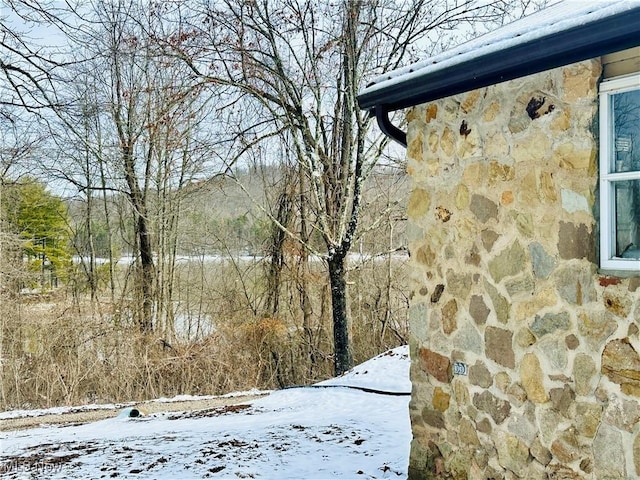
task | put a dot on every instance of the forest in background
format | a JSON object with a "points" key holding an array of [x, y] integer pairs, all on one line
{"points": [[191, 200]]}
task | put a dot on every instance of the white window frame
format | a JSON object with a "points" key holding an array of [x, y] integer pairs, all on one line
{"points": [[608, 259]]}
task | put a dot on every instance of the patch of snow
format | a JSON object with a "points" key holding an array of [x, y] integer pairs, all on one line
{"points": [[61, 410], [395, 363], [189, 398], [253, 391]]}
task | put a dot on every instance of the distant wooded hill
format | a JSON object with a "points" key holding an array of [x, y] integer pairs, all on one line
{"points": [[229, 214]]}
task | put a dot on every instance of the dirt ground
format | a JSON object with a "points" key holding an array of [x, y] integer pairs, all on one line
{"points": [[76, 418]]}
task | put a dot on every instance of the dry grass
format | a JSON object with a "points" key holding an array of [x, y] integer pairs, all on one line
{"points": [[62, 349], [53, 355]]}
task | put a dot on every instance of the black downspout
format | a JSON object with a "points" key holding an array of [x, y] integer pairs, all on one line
{"points": [[390, 130]]}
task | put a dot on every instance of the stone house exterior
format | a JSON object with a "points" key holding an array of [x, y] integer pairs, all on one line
{"points": [[525, 247]]}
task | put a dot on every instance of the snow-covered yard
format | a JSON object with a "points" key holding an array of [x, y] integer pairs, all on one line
{"points": [[323, 432]]}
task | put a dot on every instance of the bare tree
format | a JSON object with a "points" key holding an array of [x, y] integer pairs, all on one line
{"points": [[154, 110], [300, 65], [133, 120], [29, 66]]}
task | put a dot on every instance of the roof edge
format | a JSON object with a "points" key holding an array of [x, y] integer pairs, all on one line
{"points": [[582, 42]]}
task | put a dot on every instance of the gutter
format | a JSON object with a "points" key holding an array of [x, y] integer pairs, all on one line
{"points": [[593, 39]]}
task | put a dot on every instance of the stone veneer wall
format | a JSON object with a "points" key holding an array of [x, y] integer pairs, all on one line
{"points": [[504, 272]]}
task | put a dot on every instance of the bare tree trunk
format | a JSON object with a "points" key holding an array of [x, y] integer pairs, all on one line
{"points": [[303, 275], [343, 359], [276, 250], [91, 274], [107, 219], [146, 269], [146, 275]]}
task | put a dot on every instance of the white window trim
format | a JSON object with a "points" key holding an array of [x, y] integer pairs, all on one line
{"points": [[608, 260]]}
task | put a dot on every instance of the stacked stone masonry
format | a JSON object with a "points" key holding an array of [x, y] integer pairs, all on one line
{"points": [[503, 241]]}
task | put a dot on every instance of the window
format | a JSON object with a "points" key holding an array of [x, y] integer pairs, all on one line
{"points": [[620, 173]]}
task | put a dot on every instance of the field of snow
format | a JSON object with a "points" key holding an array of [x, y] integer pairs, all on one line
{"points": [[353, 426]]}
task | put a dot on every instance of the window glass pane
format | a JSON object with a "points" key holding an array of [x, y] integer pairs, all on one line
{"points": [[627, 195], [626, 131]]}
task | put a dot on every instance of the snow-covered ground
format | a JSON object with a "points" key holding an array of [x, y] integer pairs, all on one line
{"points": [[330, 430]]}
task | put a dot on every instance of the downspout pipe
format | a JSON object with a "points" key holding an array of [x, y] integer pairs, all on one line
{"points": [[389, 129]]}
